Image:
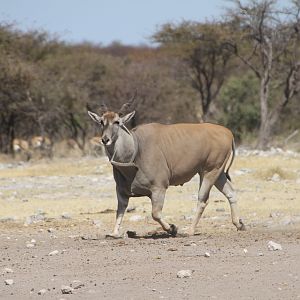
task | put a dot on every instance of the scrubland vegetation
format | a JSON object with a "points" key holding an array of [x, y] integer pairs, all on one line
{"points": [[241, 71]]}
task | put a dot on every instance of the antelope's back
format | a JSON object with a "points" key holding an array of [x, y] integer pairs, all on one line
{"points": [[183, 149]]}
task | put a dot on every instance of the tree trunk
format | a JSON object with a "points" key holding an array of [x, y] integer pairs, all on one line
{"points": [[265, 125]]}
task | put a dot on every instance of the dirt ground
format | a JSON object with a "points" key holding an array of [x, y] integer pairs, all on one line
{"points": [[68, 205]]}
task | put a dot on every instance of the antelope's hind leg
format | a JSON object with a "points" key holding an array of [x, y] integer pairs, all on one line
{"points": [[225, 187], [203, 196]]}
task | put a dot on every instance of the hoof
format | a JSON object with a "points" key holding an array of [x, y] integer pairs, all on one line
{"points": [[131, 234], [113, 237], [172, 230], [242, 226]]}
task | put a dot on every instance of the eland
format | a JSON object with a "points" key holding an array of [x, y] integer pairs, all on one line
{"points": [[149, 158]]}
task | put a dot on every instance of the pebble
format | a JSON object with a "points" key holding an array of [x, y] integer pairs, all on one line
{"points": [[287, 220], [275, 178], [97, 223], [40, 216], [65, 289], [191, 243], [136, 218], [29, 245], [272, 246], [42, 292], [131, 209], [184, 274], [66, 216], [207, 254], [172, 249], [245, 251], [8, 270], [55, 252], [77, 284], [9, 281]]}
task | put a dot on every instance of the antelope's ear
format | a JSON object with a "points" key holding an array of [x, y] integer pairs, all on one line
{"points": [[127, 117], [95, 117]]}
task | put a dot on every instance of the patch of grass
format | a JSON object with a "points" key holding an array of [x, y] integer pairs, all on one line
{"points": [[59, 167], [268, 173]]}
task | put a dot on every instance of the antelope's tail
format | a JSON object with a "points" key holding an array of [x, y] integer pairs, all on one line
{"points": [[232, 158]]}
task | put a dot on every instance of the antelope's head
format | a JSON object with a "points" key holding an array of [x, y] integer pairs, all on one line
{"points": [[111, 122]]}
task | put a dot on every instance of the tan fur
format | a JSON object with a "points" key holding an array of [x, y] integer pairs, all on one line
{"points": [[151, 157]]}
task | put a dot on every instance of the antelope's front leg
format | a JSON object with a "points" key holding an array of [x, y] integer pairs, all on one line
{"points": [[157, 199], [122, 205]]}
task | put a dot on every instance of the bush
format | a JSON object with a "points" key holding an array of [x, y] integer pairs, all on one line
{"points": [[239, 106]]}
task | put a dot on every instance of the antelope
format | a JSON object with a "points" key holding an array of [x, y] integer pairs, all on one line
{"points": [[95, 146], [149, 158], [42, 144], [21, 146]]}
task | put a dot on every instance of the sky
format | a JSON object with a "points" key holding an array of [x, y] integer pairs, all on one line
{"points": [[102, 22]]}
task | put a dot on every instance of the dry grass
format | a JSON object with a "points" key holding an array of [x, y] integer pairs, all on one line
{"points": [[267, 174], [257, 196], [58, 167]]}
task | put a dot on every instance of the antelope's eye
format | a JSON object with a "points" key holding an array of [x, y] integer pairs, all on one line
{"points": [[117, 122], [101, 123]]}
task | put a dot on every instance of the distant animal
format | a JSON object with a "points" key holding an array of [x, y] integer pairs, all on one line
{"points": [[149, 158], [71, 144], [43, 145], [95, 146], [20, 146]]}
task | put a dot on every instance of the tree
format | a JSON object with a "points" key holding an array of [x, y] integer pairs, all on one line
{"points": [[238, 110], [203, 49], [266, 39]]}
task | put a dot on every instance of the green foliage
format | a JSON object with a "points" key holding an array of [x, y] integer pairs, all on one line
{"points": [[239, 106], [203, 49]]}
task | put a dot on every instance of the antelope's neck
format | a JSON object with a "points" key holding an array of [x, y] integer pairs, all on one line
{"points": [[123, 149]]}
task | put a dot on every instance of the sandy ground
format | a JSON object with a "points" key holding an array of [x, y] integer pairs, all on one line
{"points": [[68, 205]]}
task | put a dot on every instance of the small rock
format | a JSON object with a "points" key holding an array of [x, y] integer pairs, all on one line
{"points": [[65, 289], [7, 270], [9, 281], [245, 251], [33, 241], [172, 249], [275, 214], [8, 219], [287, 220], [207, 254], [29, 245], [187, 218], [97, 223], [77, 284], [272, 246], [184, 274], [42, 292], [66, 216], [260, 254], [136, 218], [191, 243], [276, 177], [38, 217], [55, 252], [131, 209], [50, 230]]}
